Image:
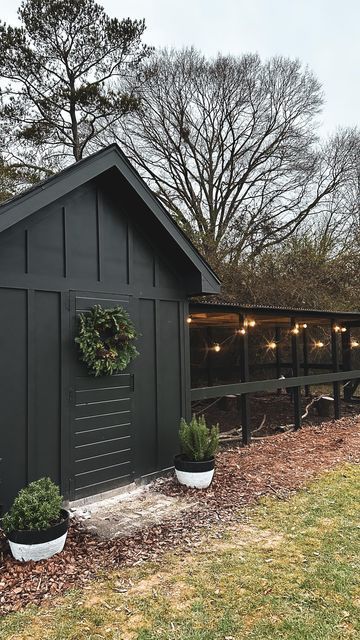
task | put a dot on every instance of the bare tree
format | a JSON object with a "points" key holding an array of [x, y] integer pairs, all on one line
{"points": [[230, 147]]}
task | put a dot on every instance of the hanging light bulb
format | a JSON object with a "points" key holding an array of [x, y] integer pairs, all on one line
{"points": [[217, 347], [318, 344], [343, 329], [304, 325], [295, 330], [271, 345], [336, 328], [251, 323], [354, 344], [189, 319], [241, 331]]}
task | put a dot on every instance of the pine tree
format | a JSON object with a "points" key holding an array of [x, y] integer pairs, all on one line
{"points": [[62, 71]]}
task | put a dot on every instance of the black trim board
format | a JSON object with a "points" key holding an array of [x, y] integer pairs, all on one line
{"points": [[239, 388], [93, 166]]}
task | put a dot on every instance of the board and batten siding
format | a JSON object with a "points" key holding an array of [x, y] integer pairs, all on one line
{"points": [[88, 241]]}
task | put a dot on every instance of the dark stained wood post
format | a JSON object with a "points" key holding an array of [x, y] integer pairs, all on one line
{"points": [[296, 372], [244, 373], [335, 368], [278, 355], [306, 357], [346, 361], [209, 356]]}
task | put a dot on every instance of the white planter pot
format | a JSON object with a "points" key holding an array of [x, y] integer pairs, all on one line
{"points": [[197, 475], [41, 551], [39, 545]]}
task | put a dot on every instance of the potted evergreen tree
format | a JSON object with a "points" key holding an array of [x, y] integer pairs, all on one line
{"points": [[36, 526], [194, 466]]}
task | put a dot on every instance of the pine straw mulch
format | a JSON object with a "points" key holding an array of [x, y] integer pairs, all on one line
{"points": [[277, 465]]}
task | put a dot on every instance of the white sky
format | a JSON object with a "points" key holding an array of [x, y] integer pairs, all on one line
{"points": [[324, 34]]}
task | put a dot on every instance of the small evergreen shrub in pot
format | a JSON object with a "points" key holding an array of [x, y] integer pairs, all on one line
{"points": [[36, 526], [195, 465]]}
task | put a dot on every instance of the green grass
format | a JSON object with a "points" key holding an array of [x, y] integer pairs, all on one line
{"points": [[291, 572]]}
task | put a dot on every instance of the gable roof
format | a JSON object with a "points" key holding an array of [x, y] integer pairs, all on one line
{"points": [[49, 190]]}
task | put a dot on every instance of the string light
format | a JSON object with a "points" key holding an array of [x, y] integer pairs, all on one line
{"points": [[241, 331], [189, 319], [354, 344], [271, 345], [217, 347], [336, 328], [318, 344], [339, 329], [249, 323], [296, 328]]}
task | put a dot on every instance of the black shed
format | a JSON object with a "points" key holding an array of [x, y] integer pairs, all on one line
{"points": [[93, 234]]}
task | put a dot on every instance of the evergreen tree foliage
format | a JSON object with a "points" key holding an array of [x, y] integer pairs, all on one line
{"points": [[62, 71], [36, 507], [197, 441]]}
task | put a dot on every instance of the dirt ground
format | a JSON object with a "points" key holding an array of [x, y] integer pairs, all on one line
{"points": [[127, 513], [276, 465]]}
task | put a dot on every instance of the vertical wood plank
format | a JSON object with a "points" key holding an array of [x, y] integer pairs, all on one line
{"points": [[27, 251], [14, 341], [296, 372], [185, 359], [157, 377], [65, 434], [99, 238], [130, 252], [244, 372], [346, 361], [305, 342], [335, 368], [209, 356], [65, 242], [31, 408], [278, 355]]}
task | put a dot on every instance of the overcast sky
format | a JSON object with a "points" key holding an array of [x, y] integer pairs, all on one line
{"points": [[324, 34]]}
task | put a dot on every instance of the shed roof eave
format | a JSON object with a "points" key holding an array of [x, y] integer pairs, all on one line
{"points": [[232, 307]]}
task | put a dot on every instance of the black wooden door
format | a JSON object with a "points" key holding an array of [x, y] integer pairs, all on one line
{"points": [[101, 416]]}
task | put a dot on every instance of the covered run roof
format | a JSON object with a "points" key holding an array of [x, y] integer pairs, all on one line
{"points": [[109, 158], [227, 314]]}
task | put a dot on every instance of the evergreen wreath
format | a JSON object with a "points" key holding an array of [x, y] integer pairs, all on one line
{"points": [[106, 340]]}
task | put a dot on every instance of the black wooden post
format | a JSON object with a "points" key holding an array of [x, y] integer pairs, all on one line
{"points": [[244, 373], [278, 355], [346, 361], [306, 357], [335, 368], [209, 356], [296, 372]]}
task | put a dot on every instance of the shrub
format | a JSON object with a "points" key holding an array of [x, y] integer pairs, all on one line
{"points": [[36, 507], [197, 441]]}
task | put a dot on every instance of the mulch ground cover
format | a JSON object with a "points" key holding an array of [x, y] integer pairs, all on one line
{"points": [[277, 465]]}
